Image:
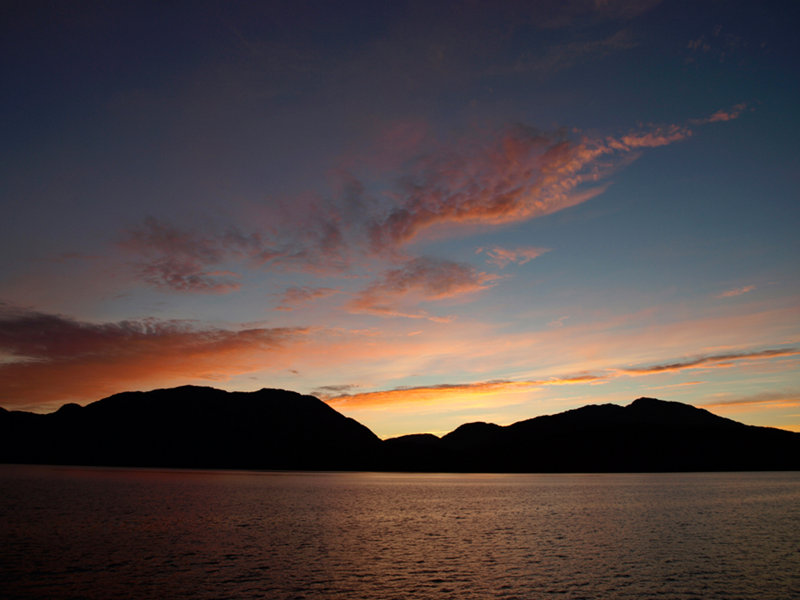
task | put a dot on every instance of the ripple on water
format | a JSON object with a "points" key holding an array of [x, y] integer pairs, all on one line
{"points": [[84, 533]]}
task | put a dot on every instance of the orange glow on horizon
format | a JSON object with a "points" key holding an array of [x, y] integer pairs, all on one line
{"points": [[449, 392]]}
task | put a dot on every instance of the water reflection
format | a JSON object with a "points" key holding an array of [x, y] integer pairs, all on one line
{"points": [[100, 533]]}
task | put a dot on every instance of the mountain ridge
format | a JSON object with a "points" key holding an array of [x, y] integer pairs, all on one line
{"points": [[204, 427]]}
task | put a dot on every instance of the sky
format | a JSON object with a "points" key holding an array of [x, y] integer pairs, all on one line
{"points": [[424, 213]]}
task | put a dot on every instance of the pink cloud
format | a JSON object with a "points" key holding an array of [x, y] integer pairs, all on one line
{"points": [[729, 114], [420, 279], [502, 257], [518, 174], [659, 136], [299, 295], [736, 292]]}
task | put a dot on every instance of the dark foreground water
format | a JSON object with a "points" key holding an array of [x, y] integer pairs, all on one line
{"points": [[126, 533]]}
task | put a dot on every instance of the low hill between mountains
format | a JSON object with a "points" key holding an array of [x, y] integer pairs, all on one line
{"points": [[202, 427]]}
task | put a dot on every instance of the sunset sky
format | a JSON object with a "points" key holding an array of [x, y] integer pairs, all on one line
{"points": [[425, 213]]}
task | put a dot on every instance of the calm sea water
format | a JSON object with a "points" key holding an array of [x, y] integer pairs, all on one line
{"points": [[127, 533]]}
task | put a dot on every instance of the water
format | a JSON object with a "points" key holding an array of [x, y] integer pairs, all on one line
{"points": [[128, 533]]}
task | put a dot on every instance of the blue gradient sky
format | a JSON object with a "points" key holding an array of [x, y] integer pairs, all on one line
{"points": [[423, 212]]}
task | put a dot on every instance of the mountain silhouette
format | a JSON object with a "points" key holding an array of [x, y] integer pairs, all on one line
{"points": [[647, 435], [202, 427], [198, 427]]}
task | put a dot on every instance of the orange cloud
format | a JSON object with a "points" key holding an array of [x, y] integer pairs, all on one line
{"points": [[420, 279], [519, 174], [603, 347], [50, 358], [444, 392], [502, 257], [660, 136], [723, 115], [774, 409]]}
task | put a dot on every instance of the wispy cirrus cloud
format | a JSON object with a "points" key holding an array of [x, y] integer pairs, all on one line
{"points": [[773, 407], [462, 391], [680, 384], [295, 296], [327, 391], [444, 392], [712, 361], [502, 257], [423, 279], [519, 174], [715, 44], [512, 175], [732, 293], [756, 401], [177, 259], [726, 115], [652, 138], [564, 56], [516, 174], [558, 323], [51, 358]]}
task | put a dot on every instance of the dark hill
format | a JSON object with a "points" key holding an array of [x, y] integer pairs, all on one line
{"points": [[203, 427], [647, 435], [192, 427]]}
